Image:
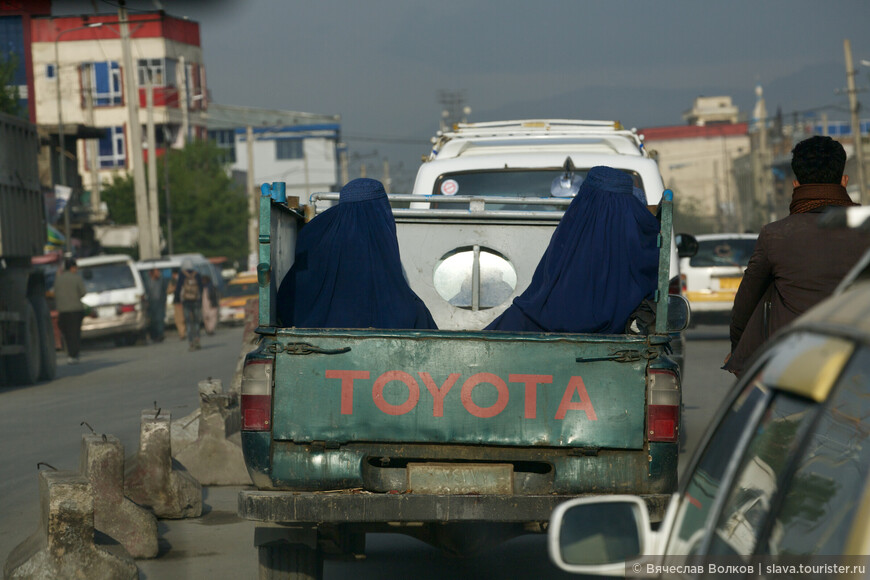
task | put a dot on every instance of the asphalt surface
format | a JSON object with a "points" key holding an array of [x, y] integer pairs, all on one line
{"points": [[110, 388]]}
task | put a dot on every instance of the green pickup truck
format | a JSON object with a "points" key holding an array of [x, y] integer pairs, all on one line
{"points": [[459, 437]]}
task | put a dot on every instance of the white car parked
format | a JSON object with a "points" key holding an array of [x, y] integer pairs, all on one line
{"points": [[116, 297]]}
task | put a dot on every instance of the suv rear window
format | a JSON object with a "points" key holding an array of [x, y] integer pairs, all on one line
{"points": [[507, 182], [725, 252], [103, 277]]}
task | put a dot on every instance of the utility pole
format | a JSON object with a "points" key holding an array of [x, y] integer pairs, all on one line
{"points": [[61, 152], [856, 124], [91, 144], [307, 176], [185, 115], [134, 142], [717, 197], [253, 203], [153, 205], [167, 136], [388, 184], [343, 160], [761, 163]]}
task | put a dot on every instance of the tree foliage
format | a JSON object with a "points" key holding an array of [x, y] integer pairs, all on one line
{"points": [[9, 97], [209, 211]]}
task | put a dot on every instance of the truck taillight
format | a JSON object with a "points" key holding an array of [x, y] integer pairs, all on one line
{"points": [[125, 308], [676, 285], [663, 406], [256, 393]]}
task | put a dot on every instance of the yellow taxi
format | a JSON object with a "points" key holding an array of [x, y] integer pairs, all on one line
{"points": [[238, 291], [710, 278]]}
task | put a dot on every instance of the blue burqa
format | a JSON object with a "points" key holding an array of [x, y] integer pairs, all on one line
{"points": [[601, 263], [347, 272]]}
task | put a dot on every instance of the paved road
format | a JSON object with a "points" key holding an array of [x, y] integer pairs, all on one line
{"points": [[111, 387]]}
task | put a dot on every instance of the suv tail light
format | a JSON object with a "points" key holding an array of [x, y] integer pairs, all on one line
{"points": [[663, 406], [676, 285], [125, 308], [256, 393]]}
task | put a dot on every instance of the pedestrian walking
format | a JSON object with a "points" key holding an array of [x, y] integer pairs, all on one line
{"points": [[69, 289], [177, 310], [209, 305], [795, 264], [156, 286], [188, 293]]}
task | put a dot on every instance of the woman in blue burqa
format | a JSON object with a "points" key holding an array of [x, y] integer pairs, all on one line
{"points": [[347, 272], [601, 263]]}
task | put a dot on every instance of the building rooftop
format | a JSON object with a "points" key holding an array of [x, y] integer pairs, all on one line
{"points": [[693, 131]]}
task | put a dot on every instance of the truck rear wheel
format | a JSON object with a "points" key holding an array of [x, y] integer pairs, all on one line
{"points": [[24, 368], [284, 561], [47, 353]]}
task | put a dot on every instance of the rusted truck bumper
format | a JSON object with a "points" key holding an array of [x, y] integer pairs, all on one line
{"points": [[360, 507]]}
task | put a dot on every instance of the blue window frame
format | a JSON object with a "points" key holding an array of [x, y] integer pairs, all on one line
{"points": [[113, 151], [105, 83]]}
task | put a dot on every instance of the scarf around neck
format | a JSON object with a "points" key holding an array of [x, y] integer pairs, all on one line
{"points": [[814, 195]]}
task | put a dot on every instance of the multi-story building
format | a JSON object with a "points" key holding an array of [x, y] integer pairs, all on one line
{"points": [[78, 79], [15, 41], [696, 162], [300, 149]]}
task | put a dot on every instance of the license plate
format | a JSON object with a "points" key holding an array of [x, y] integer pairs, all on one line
{"points": [[105, 311], [460, 478], [729, 283]]}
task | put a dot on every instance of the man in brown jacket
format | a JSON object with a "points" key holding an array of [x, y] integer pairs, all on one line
{"points": [[795, 264]]}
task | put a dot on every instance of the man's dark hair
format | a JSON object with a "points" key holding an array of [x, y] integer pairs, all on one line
{"points": [[818, 160], [69, 263]]}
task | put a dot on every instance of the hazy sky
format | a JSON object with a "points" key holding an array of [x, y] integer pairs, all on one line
{"points": [[380, 63]]}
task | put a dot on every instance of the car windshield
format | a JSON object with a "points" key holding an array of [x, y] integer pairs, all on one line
{"points": [[724, 252], [238, 290], [103, 277]]}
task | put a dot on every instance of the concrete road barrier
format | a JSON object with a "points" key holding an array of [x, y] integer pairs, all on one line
{"points": [[215, 459], [63, 546], [186, 430], [154, 480], [134, 527]]}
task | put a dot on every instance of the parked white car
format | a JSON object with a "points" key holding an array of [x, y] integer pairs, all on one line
{"points": [[711, 277], [116, 297]]}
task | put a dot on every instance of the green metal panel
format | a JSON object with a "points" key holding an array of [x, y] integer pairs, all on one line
{"points": [[460, 387], [666, 217], [264, 272]]}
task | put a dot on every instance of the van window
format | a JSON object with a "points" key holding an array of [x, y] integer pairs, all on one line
{"points": [[103, 277]]}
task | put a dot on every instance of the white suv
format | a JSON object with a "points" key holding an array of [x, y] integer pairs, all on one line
{"points": [[533, 158]]}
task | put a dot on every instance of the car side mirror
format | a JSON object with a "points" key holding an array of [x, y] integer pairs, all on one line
{"points": [[687, 245], [679, 313], [599, 535]]}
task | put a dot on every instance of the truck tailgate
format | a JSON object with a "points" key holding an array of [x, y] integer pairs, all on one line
{"points": [[493, 388]]}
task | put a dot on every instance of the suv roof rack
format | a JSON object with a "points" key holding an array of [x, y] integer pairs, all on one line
{"points": [[467, 135]]}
